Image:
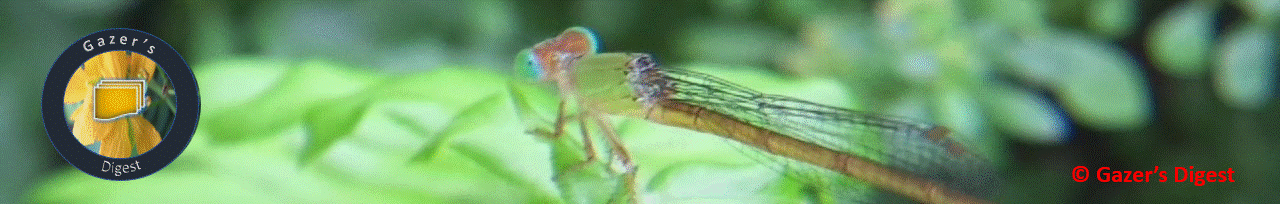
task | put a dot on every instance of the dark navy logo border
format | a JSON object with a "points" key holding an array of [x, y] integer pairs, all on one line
{"points": [[186, 96]]}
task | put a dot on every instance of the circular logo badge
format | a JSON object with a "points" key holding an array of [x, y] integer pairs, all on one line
{"points": [[120, 104]]}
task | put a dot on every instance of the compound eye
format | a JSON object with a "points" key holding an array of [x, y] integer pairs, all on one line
{"points": [[528, 66]]}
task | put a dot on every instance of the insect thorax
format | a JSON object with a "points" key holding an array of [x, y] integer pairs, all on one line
{"points": [[647, 81]]}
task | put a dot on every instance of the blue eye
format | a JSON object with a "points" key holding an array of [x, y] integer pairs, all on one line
{"points": [[528, 66], [535, 67]]}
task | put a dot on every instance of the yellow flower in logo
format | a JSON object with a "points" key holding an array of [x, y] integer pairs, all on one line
{"points": [[118, 138]]}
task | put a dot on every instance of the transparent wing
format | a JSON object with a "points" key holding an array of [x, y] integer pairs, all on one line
{"points": [[922, 149]]}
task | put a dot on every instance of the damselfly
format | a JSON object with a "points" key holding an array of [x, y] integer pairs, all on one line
{"points": [[917, 160]]}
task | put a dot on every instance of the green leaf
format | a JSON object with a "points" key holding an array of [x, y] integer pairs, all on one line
{"points": [[1103, 88], [223, 84], [330, 121], [958, 110], [577, 181], [241, 172], [477, 115], [590, 184], [451, 87], [1039, 61], [1246, 71], [1113, 18], [921, 23], [700, 181], [1024, 17], [407, 122], [496, 166], [1267, 11], [843, 46], [524, 109], [284, 104], [1181, 39], [1025, 114], [961, 111]]}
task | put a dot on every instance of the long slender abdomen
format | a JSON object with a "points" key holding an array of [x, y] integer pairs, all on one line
{"points": [[900, 182]]}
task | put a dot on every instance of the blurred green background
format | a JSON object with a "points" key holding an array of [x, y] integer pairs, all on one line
{"points": [[408, 101]]}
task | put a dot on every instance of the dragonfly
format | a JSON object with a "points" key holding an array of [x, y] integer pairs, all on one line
{"points": [[917, 160]]}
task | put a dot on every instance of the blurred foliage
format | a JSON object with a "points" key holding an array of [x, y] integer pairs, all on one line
{"points": [[409, 101]]}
